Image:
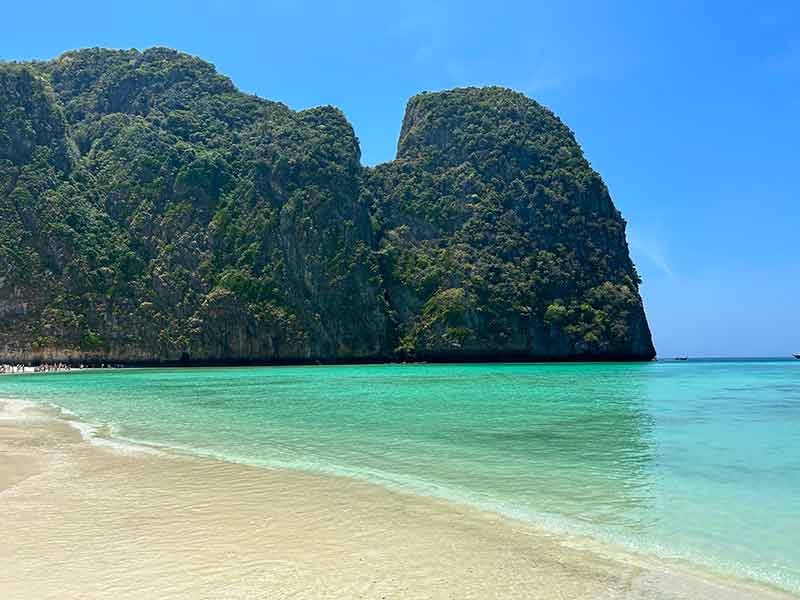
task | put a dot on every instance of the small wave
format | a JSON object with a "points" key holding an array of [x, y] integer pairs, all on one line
{"points": [[104, 435], [544, 522], [97, 434]]}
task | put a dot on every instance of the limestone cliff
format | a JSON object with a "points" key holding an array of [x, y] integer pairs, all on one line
{"points": [[498, 240], [150, 212]]}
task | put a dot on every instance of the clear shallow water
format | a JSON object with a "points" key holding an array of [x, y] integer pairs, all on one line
{"points": [[698, 461]]}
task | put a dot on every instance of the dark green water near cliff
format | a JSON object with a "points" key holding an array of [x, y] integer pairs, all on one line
{"points": [[696, 461]]}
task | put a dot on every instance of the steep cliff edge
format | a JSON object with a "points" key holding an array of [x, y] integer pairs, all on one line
{"points": [[497, 239], [150, 212]]}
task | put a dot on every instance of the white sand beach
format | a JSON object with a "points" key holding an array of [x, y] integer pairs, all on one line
{"points": [[82, 520]]}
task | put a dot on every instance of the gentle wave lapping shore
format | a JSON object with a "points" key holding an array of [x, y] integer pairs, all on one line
{"points": [[93, 521]]}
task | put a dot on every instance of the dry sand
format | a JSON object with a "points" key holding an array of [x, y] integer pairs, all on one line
{"points": [[82, 520]]}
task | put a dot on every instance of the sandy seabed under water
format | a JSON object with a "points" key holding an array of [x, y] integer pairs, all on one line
{"points": [[96, 519]]}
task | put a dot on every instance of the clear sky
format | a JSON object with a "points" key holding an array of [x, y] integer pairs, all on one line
{"points": [[689, 110]]}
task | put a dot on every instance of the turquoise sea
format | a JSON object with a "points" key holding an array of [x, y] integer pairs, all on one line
{"points": [[695, 461]]}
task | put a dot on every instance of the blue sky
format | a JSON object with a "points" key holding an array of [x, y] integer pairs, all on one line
{"points": [[689, 110]]}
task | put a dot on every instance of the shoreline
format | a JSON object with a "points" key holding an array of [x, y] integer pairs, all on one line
{"points": [[94, 361], [336, 531], [28, 367]]}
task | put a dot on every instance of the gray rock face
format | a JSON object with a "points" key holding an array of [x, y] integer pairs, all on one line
{"points": [[150, 212]]}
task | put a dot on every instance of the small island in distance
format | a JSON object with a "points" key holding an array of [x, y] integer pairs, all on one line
{"points": [[154, 214]]}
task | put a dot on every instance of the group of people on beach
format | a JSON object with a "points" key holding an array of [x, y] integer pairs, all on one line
{"points": [[50, 368], [6, 369], [42, 368]]}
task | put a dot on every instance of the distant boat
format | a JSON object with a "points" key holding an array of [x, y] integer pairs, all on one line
{"points": [[796, 355], [681, 358]]}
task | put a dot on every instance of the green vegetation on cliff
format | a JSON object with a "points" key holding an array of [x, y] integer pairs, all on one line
{"points": [[151, 212], [495, 232]]}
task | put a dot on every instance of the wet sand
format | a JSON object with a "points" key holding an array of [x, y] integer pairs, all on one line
{"points": [[82, 520]]}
